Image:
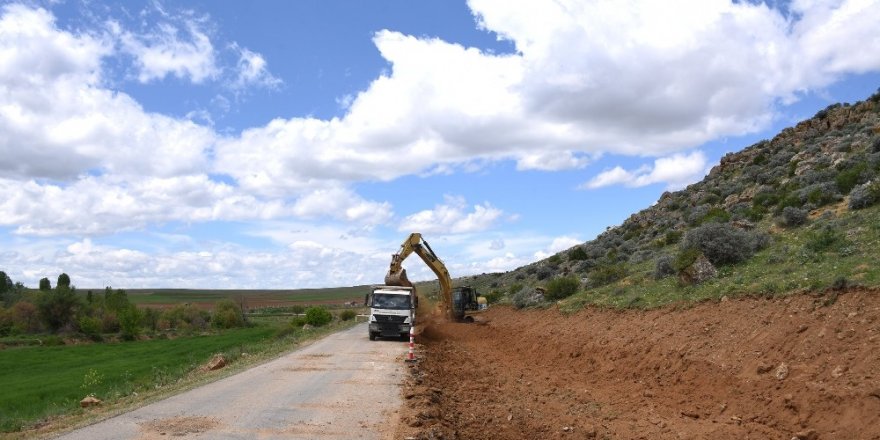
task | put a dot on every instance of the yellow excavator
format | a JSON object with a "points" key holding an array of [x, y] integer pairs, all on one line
{"points": [[459, 304]]}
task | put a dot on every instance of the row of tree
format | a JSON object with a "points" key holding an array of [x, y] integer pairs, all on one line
{"points": [[64, 310]]}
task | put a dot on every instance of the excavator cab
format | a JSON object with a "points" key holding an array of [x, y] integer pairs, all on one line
{"points": [[464, 299]]}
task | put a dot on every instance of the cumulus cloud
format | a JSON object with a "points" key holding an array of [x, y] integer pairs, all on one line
{"points": [[452, 217], [676, 171], [94, 265], [344, 204], [587, 78], [56, 121]]}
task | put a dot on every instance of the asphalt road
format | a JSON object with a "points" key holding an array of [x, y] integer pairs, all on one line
{"points": [[343, 386]]}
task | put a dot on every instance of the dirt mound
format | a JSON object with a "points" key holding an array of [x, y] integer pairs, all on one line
{"points": [[800, 367]]}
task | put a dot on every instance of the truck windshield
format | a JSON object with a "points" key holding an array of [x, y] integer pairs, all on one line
{"points": [[388, 301]]}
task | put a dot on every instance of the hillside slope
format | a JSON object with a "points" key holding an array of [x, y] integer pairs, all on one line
{"points": [[798, 212]]}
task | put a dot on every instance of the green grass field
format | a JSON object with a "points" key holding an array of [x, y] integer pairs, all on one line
{"points": [[40, 382]]}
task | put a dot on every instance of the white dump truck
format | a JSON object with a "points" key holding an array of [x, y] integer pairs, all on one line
{"points": [[392, 311]]}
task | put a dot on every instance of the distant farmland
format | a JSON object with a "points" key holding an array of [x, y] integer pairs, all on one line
{"points": [[252, 298]]}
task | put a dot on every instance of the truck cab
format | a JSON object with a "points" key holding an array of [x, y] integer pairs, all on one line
{"points": [[392, 311]]}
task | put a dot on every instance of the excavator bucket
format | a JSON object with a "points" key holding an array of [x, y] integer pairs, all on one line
{"points": [[397, 279]]}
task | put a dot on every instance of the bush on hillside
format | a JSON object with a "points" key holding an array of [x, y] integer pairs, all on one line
{"points": [[864, 196], [318, 316], [577, 254], [664, 266], [562, 287], [721, 243], [544, 272], [792, 216], [494, 296], [606, 274], [827, 238]]}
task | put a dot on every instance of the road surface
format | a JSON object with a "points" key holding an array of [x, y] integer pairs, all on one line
{"points": [[343, 386]]}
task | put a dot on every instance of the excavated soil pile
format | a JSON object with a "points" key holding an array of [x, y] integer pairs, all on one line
{"points": [[805, 367]]}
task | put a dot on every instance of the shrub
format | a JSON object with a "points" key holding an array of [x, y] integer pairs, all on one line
{"points": [[544, 272], [672, 237], [562, 287], [818, 194], [664, 267], [847, 179], [227, 314], [720, 243], [109, 322], [606, 274], [57, 307], [25, 317], [715, 215], [792, 216], [90, 327], [130, 322], [493, 296], [524, 298], [826, 238], [318, 316], [685, 258], [577, 254], [864, 196], [347, 315], [298, 321], [514, 288], [298, 310], [555, 259]]}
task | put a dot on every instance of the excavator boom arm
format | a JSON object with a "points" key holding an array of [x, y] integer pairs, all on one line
{"points": [[397, 275]]}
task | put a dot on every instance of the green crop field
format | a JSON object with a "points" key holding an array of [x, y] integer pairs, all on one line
{"points": [[253, 298], [40, 382]]}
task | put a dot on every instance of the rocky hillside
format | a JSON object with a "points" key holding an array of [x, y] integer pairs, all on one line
{"points": [[797, 212]]}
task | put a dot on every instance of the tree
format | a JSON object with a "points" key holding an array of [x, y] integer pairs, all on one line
{"points": [[115, 300], [57, 308], [130, 322], [45, 285], [63, 280], [5, 282]]}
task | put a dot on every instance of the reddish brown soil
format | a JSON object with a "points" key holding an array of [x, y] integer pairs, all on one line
{"points": [[714, 370]]}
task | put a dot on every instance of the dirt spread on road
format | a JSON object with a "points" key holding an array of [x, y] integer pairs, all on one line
{"points": [[177, 427], [805, 367]]}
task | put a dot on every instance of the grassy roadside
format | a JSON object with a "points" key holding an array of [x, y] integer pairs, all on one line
{"points": [[43, 385]]}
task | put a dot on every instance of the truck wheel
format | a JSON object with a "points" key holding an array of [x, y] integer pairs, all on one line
{"points": [[372, 336]]}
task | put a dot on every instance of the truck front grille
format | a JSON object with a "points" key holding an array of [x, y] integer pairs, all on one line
{"points": [[390, 319]]}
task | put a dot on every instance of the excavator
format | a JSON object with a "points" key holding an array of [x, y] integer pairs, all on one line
{"points": [[459, 304]]}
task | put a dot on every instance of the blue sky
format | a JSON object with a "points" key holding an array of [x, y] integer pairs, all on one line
{"points": [[295, 144]]}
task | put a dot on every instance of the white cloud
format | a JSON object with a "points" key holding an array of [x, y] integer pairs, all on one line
{"points": [[56, 121], [588, 78], [97, 205], [184, 51], [452, 218], [342, 203], [93, 265], [252, 70], [557, 245], [676, 171]]}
